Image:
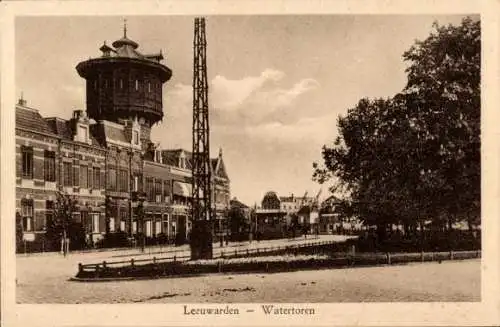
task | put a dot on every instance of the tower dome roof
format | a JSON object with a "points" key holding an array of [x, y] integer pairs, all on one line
{"points": [[125, 41]]}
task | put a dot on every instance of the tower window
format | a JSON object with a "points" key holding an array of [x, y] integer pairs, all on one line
{"points": [[121, 83], [136, 84]]}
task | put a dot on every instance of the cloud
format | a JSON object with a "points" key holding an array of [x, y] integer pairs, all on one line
{"points": [[229, 94], [262, 107]]}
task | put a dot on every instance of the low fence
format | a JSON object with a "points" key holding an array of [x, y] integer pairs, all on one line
{"points": [[307, 248], [321, 256]]}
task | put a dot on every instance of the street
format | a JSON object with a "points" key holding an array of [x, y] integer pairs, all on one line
{"points": [[44, 279]]}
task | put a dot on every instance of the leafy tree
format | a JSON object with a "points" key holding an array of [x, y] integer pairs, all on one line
{"points": [[19, 231], [415, 156], [237, 222], [62, 226]]}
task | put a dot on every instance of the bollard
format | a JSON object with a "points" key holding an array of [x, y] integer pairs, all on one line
{"points": [[422, 256], [451, 254], [175, 258], [132, 262], [104, 264], [80, 267], [154, 260], [388, 258]]}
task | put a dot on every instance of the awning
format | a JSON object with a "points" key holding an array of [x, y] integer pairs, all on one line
{"points": [[182, 189]]}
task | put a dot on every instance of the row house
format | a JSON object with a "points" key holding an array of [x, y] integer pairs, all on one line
{"points": [[57, 156]]}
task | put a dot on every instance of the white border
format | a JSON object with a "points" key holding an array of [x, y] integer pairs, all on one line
{"points": [[483, 313]]}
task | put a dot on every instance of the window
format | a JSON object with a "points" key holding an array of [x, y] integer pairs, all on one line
{"points": [[136, 85], [84, 176], [149, 228], [83, 133], [97, 177], [67, 167], [76, 177], [157, 227], [49, 213], [149, 87], [112, 224], [135, 137], [95, 84], [27, 158], [112, 179], [158, 190], [134, 227], [49, 164], [123, 218], [123, 180], [95, 223], [166, 191], [27, 214], [149, 189], [136, 183], [89, 177], [121, 83]]}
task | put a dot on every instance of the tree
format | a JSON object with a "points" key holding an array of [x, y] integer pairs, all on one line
{"points": [[62, 228], [415, 156], [237, 222], [443, 90], [19, 231]]}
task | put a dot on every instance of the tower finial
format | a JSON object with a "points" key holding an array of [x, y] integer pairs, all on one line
{"points": [[125, 27]]}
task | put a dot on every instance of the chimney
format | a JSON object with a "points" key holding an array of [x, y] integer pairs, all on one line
{"points": [[77, 114], [21, 101]]}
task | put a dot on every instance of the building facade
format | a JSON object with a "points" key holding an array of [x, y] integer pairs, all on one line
{"points": [[105, 158]]}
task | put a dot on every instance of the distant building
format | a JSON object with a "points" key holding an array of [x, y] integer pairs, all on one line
{"points": [[105, 156]]}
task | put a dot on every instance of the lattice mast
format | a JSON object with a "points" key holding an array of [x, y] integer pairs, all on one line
{"points": [[201, 233]]}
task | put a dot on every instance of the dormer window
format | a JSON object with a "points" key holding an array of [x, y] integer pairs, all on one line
{"points": [[83, 133]]}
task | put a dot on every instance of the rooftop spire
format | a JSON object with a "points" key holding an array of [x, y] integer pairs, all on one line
{"points": [[125, 27]]}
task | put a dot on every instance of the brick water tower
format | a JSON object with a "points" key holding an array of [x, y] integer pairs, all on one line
{"points": [[125, 84]]}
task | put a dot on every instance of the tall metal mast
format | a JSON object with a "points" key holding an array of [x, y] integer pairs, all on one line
{"points": [[201, 232]]}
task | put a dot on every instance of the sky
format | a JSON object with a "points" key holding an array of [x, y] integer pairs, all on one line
{"points": [[276, 83]]}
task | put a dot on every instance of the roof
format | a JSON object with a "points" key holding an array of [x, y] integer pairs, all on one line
{"points": [[305, 210], [63, 129], [31, 119], [114, 133], [238, 204]]}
